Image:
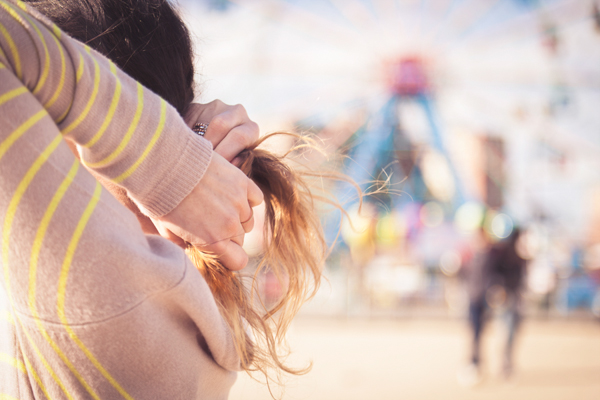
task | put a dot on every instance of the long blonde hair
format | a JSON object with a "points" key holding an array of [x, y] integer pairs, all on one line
{"points": [[294, 252]]}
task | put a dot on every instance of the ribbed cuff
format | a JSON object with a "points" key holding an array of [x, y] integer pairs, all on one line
{"points": [[184, 177]]}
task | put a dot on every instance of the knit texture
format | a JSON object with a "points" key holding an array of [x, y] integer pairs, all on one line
{"points": [[90, 307]]}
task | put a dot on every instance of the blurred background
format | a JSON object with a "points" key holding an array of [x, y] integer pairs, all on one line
{"points": [[483, 118]]}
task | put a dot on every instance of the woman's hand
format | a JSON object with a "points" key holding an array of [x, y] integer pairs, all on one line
{"points": [[230, 130], [220, 218], [217, 213]]}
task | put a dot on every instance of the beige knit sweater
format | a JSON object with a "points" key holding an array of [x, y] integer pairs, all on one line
{"points": [[90, 307]]}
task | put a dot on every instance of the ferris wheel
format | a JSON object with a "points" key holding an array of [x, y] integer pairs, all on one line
{"points": [[419, 73]]}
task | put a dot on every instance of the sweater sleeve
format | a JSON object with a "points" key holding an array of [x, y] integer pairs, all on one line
{"points": [[122, 130], [92, 307]]}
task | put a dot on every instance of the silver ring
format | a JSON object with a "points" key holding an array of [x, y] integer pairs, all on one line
{"points": [[200, 128]]}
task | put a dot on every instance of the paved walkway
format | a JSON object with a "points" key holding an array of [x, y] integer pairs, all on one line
{"points": [[415, 359]]}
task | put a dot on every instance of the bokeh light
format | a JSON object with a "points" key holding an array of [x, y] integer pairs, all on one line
{"points": [[469, 216], [450, 262], [432, 214], [502, 225], [483, 117]]}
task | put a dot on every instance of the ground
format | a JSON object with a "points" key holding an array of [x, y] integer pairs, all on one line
{"points": [[358, 359]]}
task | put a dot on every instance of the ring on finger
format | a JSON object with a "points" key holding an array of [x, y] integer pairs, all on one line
{"points": [[200, 128]]}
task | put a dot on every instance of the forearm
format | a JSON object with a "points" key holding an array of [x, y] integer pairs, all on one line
{"points": [[94, 303], [123, 131]]}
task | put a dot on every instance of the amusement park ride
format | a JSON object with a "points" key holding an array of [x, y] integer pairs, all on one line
{"points": [[509, 73], [381, 151], [383, 141]]}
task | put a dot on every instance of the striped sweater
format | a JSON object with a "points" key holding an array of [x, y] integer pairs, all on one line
{"points": [[90, 307]]}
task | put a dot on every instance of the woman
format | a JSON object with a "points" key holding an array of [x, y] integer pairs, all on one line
{"points": [[93, 308], [296, 259], [148, 40]]}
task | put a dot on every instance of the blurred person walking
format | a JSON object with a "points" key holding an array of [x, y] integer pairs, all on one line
{"points": [[508, 272], [494, 278], [477, 275]]}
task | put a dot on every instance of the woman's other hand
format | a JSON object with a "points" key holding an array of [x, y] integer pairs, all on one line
{"points": [[230, 130], [217, 213]]}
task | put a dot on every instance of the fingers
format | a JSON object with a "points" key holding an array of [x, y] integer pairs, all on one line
{"points": [[255, 195], [167, 234], [255, 198], [229, 252], [230, 130], [234, 257], [238, 139], [224, 122], [248, 225], [215, 215]]}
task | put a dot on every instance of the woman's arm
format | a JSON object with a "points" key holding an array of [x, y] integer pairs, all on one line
{"points": [[97, 308], [134, 139]]}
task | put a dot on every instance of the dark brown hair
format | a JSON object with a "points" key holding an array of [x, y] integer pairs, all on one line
{"points": [[146, 38]]}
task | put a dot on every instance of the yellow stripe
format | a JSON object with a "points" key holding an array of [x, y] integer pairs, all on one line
{"points": [[17, 18], [12, 94], [66, 265], [42, 229], [12, 138], [24, 184], [62, 289], [89, 104], [13, 50], [6, 315], [22, 5], [61, 81], [111, 110], [10, 215], [62, 117], [44, 361], [14, 203], [18, 364], [37, 245], [157, 133], [4, 146], [56, 30], [4, 396], [128, 135], [46, 70], [35, 376], [80, 68], [13, 14]]}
